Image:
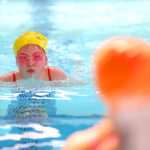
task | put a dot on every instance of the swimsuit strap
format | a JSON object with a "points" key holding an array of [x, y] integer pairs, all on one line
{"points": [[49, 74], [14, 76]]}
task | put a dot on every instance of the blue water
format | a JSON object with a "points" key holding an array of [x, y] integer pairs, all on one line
{"points": [[41, 115]]}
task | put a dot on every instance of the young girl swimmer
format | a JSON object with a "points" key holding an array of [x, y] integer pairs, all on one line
{"points": [[30, 52], [122, 76]]}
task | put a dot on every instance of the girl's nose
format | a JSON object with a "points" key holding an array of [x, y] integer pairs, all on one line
{"points": [[30, 62]]}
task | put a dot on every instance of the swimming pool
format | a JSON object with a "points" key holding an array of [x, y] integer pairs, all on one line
{"points": [[40, 115]]}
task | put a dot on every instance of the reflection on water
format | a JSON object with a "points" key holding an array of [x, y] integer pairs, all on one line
{"points": [[29, 136], [31, 131]]}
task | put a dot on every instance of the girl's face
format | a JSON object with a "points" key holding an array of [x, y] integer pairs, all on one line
{"points": [[31, 61]]}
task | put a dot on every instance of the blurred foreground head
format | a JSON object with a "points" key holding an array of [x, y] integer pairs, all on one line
{"points": [[122, 68]]}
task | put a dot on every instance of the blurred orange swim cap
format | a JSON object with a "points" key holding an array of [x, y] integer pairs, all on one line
{"points": [[30, 38], [122, 66]]}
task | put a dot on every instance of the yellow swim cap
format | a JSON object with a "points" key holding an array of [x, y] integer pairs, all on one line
{"points": [[30, 38]]}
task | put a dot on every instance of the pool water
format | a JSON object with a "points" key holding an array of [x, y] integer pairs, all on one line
{"points": [[41, 115], [33, 118]]}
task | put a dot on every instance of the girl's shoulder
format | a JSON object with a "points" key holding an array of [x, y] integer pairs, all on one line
{"points": [[57, 73], [10, 77]]}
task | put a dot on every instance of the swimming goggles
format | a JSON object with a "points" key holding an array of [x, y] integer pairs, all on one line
{"points": [[23, 58]]}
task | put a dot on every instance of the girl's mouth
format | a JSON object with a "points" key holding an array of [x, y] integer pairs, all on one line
{"points": [[31, 71]]}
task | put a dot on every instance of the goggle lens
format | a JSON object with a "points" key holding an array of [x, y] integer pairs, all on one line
{"points": [[35, 57]]}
